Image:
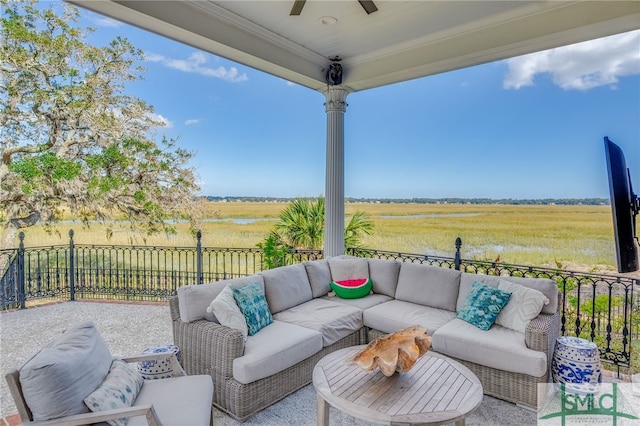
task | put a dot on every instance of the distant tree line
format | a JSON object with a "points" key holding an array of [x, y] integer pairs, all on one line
{"points": [[509, 201]]}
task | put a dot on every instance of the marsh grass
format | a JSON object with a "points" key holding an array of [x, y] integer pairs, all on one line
{"points": [[552, 236]]}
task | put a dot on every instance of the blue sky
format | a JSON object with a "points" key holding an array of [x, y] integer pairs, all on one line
{"points": [[529, 127]]}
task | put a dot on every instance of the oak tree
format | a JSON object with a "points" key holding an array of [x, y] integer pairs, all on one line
{"points": [[71, 137]]}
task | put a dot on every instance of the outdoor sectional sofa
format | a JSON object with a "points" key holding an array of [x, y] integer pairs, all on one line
{"points": [[309, 322]]}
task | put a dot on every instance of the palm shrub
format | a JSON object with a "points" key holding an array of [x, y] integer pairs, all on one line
{"points": [[300, 226]]}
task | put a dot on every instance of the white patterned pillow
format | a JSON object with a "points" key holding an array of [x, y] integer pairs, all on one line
{"points": [[226, 310], [524, 305], [119, 389]]}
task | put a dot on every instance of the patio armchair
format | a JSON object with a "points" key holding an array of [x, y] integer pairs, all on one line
{"points": [[75, 381]]}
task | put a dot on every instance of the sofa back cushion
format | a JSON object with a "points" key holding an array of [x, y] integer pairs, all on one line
{"points": [[348, 268], [286, 287], [193, 300], [384, 274], [428, 285], [58, 378], [547, 286], [319, 276]]}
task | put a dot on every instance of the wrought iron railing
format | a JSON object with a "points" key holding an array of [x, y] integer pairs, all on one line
{"points": [[146, 273], [601, 308]]}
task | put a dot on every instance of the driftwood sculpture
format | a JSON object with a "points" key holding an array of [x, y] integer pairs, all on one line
{"points": [[394, 352]]}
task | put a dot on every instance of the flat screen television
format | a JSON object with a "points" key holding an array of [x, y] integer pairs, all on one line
{"points": [[625, 206]]}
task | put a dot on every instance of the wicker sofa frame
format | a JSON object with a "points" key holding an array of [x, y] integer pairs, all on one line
{"points": [[210, 348]]}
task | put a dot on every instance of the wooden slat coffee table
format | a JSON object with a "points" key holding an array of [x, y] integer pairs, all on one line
{"points": [[436, 390]]}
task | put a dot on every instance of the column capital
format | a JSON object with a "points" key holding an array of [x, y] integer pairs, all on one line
{"points": [[336, 98]]}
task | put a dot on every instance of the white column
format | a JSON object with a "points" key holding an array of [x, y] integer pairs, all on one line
{"points": [[335, 106]]}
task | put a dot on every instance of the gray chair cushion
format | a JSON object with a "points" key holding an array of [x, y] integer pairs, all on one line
{"points": [[183, 400], [58, 378], [334, 320], [428, 285], [286, 287], [384, 275]]}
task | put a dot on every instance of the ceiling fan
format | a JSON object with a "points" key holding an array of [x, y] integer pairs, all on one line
{"points": [[367, 5]]}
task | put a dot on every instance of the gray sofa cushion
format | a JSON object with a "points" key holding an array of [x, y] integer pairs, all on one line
{"points": [[275, 348], [286, 286], [346, 268], [499, 347], [384, 275], [395, 315], [184, 400], [547, 286], [194, 300], [58, 378], [333, 320], [362, 302], [319, 276], [428, 285]]}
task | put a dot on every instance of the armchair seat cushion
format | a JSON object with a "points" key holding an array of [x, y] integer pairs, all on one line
{"points": [[193, 394]]}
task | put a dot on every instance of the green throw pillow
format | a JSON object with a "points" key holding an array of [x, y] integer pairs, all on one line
{"points": [[254, 307], [483, 305], [352, 289]]}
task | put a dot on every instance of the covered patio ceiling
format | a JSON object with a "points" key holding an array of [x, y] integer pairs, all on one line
{"points": [[401, 40]]}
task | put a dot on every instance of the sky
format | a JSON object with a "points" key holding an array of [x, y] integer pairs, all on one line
{"points": [[525, 128]]}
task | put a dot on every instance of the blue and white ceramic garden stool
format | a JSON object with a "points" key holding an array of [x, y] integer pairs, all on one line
{"points": [[576, 363], [160, 369]]}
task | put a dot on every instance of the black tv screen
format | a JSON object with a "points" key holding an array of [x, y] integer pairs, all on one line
{"points": [[624, 207]]}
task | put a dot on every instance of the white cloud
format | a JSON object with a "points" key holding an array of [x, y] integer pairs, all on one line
{"points": [[196, 63], [580, 66], [103, 21], [163, 121], [192, 121], [108, 22]]}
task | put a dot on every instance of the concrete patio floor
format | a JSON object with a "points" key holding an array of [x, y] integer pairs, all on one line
{"points": [[129, 328]]}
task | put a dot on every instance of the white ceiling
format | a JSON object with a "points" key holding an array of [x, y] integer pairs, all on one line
{"points": [[401, 41]]}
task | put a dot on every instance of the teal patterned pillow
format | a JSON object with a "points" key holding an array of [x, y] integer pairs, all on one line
{"points": [[254, 307], [483, 305], [119, 389]]}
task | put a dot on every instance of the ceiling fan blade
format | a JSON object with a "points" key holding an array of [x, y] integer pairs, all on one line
{"points": [[368, 6], [297, 7]]}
